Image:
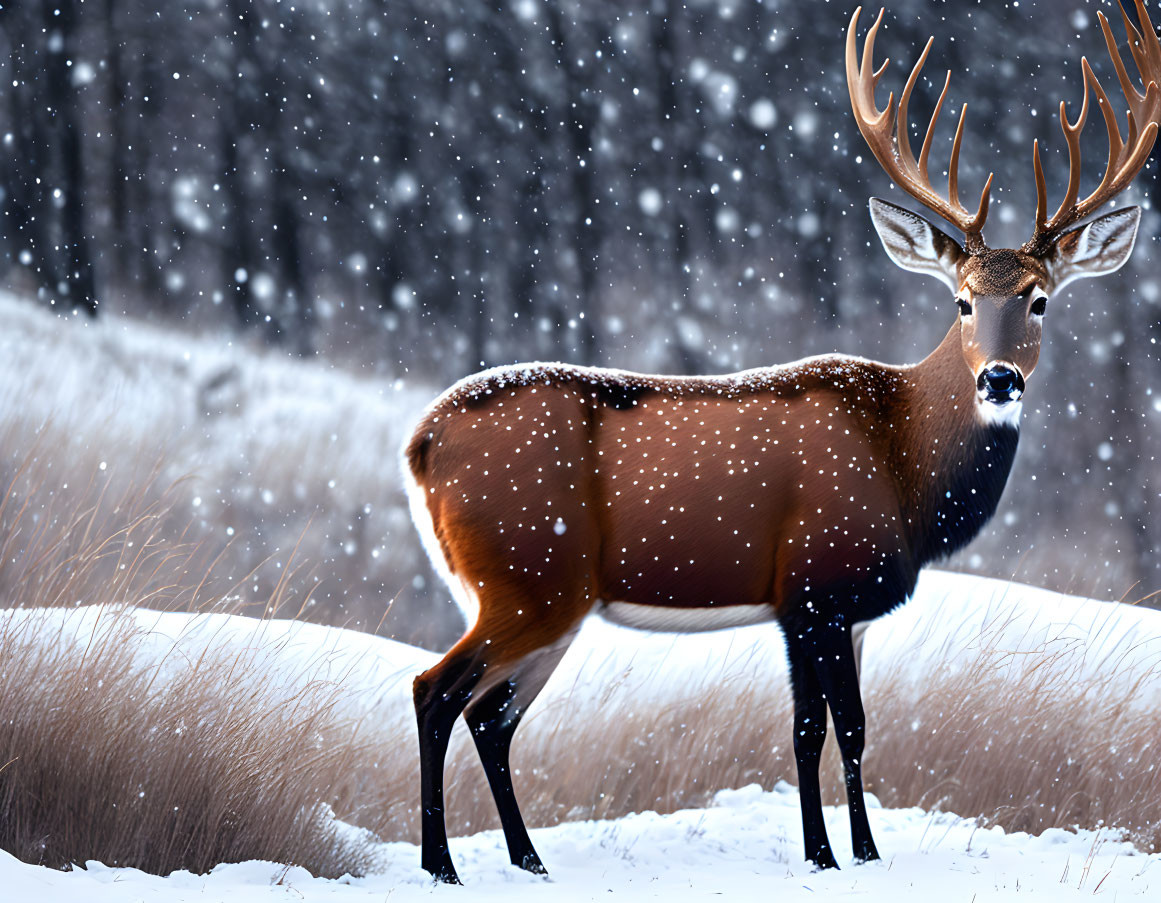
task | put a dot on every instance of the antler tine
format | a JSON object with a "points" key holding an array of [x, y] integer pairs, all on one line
{"points": [[1132, 97], [1116, 145], [869, 53], [1126, 157], [902, 138], [1072, 138], [1041, 188], [862, 89], [1146, 53], [926, 149], [953, 167], [886, 133], [976, 226]]}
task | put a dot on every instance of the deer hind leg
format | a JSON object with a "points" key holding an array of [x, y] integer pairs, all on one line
{"points": [[493, 719], [441, 693], [521, 632]]}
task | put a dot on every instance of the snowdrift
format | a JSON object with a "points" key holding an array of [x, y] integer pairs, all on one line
{"points": [[950, 618]]}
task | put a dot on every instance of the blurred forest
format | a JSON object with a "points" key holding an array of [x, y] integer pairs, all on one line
{"points": [[413, 190]]}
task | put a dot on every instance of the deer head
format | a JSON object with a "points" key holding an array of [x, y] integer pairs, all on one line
{"points": [[1003, 293]]}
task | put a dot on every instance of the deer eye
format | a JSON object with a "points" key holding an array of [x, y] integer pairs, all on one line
{"points": [[1039, 305], [965, 307]]}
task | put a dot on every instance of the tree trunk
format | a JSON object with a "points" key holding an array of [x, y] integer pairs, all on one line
{"points": [[76, 265]]}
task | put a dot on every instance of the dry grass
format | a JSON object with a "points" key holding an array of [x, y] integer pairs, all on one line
{"points": [[1028, 741], [215, 763], [182, 762], [224, 764], [60, 546]]}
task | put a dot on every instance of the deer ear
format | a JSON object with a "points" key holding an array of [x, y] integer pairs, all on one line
{"points": [[1093, 249], [916, 245]]}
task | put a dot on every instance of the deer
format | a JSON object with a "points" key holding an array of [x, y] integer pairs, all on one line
{"points": [[808, 494]]}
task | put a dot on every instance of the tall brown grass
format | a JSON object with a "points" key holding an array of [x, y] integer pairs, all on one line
{"points": [[1028, 738], [224, 766], [216, 763], [178, 762]]}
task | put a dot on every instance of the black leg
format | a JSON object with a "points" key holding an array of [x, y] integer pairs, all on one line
{"points": [[493, 720], [833, 659], [809, 736], [441, 694]]}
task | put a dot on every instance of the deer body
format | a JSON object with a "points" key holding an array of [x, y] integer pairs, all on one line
{"points": [[811, 494], [709, 501]]}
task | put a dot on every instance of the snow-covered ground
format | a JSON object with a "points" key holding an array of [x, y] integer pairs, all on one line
{"points": [[745, 847], [748, 844]]}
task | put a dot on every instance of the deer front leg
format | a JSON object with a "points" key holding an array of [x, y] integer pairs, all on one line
{"points": [[809, 736], [832, 657]]}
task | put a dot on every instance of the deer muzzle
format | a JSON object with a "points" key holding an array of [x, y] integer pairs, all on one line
{"points": [[1000, 383]]}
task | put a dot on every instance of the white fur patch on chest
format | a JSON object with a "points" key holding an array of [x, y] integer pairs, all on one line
{"points": [[1000, 414], [684, 620]]}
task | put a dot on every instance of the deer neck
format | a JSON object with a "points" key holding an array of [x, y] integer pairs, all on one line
{"points": [[954, 463]]}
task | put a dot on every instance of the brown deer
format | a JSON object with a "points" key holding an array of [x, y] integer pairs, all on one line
{"points": [[809, 494]]}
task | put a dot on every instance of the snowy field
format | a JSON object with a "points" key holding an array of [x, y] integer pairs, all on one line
{"points": [[748, 843], [746, 847]]}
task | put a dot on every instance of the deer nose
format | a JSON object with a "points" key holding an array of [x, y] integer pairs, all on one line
{"points": [[1000, 384]]}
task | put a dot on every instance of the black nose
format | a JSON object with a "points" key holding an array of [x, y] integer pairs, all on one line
{"points": [[999, 383]]}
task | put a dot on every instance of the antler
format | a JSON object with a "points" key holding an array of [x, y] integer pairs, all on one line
{"points": [[1126, 158], [886, 133]]}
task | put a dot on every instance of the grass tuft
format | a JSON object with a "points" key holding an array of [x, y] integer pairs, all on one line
{"points": [[172, 764]]}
